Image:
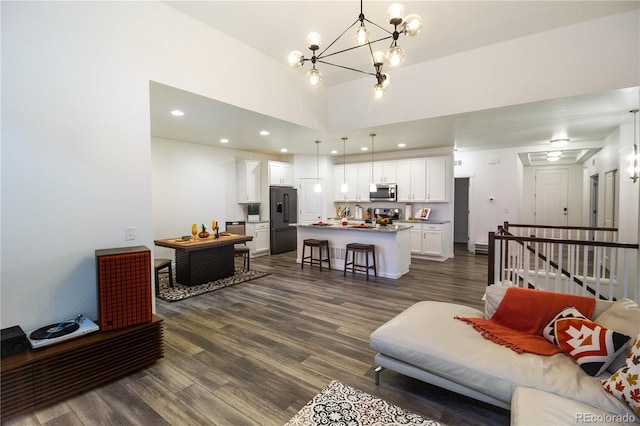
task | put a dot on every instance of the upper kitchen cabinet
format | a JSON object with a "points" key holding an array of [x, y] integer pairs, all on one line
{"points": [[280, 174], [248, 181], [385, 172], [437, 180], [412, 183], [357, 177]]}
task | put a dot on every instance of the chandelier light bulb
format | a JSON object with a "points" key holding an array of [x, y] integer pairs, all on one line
{"points": [[412, 25], [314, 77], [395, 55], [362, 35], [378, 58], [295, 59], [378, 91], [314, 41], [395, 14]]}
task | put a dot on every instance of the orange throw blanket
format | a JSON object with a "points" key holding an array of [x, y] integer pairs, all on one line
{"points": [[523, 314]]}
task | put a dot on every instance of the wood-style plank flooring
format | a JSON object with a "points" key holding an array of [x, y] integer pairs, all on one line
{"points": [[255, 353]]}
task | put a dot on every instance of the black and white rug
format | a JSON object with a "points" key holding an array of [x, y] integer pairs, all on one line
{"points": [[342, 405], [180, 292]]}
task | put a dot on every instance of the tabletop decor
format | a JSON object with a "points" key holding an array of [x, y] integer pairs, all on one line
{"points": [[339, 404]]}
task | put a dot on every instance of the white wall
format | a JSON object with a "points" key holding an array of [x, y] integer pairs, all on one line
{"points": [[592, 56], [494, 174], [76, 150]]}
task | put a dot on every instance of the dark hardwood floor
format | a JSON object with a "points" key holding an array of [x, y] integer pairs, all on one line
{"points": [[255, 353]]}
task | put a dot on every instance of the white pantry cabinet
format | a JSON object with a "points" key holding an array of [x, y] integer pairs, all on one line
{"points": [[437, 180]]}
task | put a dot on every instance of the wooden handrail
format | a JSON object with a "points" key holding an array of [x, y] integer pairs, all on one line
{"points": [[507, 225]]}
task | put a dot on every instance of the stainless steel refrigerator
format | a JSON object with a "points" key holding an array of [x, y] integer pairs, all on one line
{"points": [[283, 210]]}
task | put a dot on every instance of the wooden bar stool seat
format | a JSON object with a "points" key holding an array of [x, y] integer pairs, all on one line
{"points": [[354, 249], [158, 266], [319, 244]]}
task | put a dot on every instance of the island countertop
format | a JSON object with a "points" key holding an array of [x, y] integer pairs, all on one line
{"points": [[361, 228]]}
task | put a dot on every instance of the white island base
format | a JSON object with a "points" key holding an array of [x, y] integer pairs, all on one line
{"points": [[393, 245]]}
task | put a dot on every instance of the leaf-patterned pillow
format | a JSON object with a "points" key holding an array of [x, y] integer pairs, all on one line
{"points": [[624, 384]]}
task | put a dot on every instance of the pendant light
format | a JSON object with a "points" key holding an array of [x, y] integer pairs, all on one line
{"points": [[344, 188], [317, 187], [634, 159], [372, 185]]}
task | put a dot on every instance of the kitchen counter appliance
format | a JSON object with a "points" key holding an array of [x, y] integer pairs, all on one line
{"points": [[384, 192]]}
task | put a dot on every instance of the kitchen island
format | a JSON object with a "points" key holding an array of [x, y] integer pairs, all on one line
{"points": [[393, 244]]}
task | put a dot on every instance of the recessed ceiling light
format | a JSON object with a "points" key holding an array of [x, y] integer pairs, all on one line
{"points": [[334, 151], [177, 113], [554, 154], [364, 148], [224, 140], [553, 158], [402, 145], [559, 142], [284, 150], [264, 132]]}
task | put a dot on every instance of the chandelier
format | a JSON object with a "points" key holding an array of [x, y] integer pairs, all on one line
{"points": [[409, 25]]}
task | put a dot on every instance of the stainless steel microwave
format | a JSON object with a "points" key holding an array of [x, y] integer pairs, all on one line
{"points": [[384, 192]]}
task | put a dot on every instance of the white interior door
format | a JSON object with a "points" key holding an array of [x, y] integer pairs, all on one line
{"points": [[551, 202], [310, 202]]}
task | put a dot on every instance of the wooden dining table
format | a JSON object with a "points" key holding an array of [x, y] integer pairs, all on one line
{"points": [[203, 260]]}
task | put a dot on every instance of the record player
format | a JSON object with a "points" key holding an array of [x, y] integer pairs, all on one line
{"points": [[64, 330]]}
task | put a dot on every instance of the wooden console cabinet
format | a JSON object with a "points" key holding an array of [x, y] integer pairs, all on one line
{"points": [[38, 378]]}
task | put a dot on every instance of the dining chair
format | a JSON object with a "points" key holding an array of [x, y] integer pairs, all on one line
{"points": [[240, 249]]}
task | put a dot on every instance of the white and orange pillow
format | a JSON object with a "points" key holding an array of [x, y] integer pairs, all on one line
{"points": [[624, 384]]}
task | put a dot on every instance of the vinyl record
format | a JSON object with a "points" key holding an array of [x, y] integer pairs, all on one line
{"points": [[54, 330]]}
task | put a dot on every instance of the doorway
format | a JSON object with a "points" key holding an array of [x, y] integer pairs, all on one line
{"points": [[310, 202], [461, 211]]}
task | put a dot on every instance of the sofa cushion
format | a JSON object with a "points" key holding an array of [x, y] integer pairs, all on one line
{"points": [[549, 332], [533, 407], [591, 345], [427, 336], [625, 383], [495, 293], [624, 317]]}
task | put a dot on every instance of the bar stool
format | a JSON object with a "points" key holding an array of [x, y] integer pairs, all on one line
{"points": [[159, 265], [311, 243], [352, 266]]}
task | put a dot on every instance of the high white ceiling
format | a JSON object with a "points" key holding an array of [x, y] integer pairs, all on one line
{"points": [[278, 27]]}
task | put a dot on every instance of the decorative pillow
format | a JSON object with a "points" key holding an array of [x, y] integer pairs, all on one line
{"points": [[591, 345], [549, 331], [624, 384], [492, 297], [624, 317]]}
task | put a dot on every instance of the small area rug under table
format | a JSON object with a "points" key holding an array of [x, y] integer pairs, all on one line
{"points": [[180, 292], [339, 404]]}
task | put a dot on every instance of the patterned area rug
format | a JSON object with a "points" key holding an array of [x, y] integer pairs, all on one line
{"points": [[342, 405], [180, 292]]}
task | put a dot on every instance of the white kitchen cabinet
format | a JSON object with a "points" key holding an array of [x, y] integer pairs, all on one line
{"points": [[339, 177], [429, 240], [411, 179], [280, 174], [248, 181], [358, 180], [437, 180], [260, 232], [385, 172]]}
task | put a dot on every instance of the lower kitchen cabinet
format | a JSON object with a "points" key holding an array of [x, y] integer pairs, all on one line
{"points": [[260, 233], [430, 240]]}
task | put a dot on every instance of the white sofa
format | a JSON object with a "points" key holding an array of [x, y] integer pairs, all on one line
{"points": [[426, 342]]}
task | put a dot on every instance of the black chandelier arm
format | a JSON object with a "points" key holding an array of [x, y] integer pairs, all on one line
{"points": [[347, 68], [339, 37], [383, 29], [351, 48]]}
